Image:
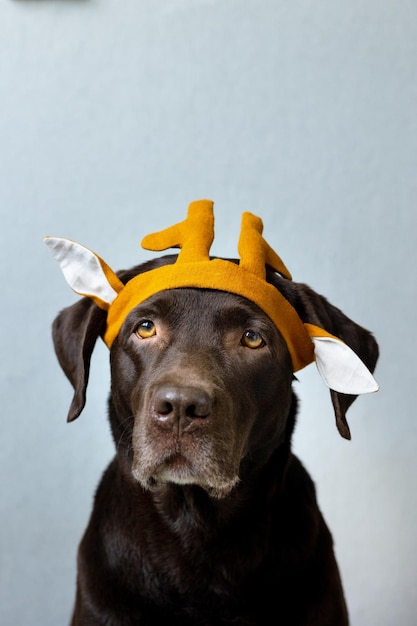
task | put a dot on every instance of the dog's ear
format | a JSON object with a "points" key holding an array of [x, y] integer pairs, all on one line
{"points": [[315, 309], [76, 329], [74, 332]]}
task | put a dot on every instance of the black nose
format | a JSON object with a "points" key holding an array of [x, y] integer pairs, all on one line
{"points": [[182, 406]]}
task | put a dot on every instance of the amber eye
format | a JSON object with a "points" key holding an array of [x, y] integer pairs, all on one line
{"points": [[146, 329], [252, 339]]}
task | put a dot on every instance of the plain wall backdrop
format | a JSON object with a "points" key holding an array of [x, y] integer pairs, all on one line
{"points": [[114, 115]]}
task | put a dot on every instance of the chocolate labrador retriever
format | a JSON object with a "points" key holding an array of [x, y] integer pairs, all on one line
{"points": [[204, 517]]}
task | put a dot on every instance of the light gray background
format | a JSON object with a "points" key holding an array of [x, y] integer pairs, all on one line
{"points": [[114, 115]]}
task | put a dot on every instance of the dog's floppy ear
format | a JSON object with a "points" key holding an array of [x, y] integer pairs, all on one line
{"points": [[316, 310], [74, 332]]}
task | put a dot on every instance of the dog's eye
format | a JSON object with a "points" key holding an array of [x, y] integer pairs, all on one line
{"points": [[146, 329], [252, 339]]}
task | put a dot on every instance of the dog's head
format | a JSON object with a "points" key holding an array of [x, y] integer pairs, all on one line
{"points": [[206, 378], [201, 377]]}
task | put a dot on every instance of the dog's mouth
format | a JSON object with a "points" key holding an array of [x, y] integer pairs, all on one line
{"points": [[176, 468]]}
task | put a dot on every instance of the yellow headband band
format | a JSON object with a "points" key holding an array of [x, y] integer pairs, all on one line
{"points": [[224, 276]]}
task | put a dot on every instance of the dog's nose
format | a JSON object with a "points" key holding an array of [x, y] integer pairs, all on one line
{"points": [[182, 406]]}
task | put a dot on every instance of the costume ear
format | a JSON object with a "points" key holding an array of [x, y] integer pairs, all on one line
{"points": [[74, 332], [339, 366], [85, 272], [346, 353]]}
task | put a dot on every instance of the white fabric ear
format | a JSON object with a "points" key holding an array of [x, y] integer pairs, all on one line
{"points": [[341, 369], [82, 269]]}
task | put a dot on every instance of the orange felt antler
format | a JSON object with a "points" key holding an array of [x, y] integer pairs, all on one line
{"points": [[194, 235], [255, 252]]}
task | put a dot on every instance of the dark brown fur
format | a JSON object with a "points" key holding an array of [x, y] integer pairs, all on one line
{"points": [[204, 517]]}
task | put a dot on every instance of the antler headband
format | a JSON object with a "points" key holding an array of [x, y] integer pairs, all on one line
{"points": [[89, 275]]}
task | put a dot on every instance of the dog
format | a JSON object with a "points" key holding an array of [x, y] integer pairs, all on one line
{"points": [[204, 517]]}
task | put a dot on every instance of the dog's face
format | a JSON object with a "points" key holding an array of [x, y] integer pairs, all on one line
{"points": [[201, 382]]}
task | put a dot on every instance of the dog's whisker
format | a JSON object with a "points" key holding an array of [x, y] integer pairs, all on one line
{"points": [[126, 431]]}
